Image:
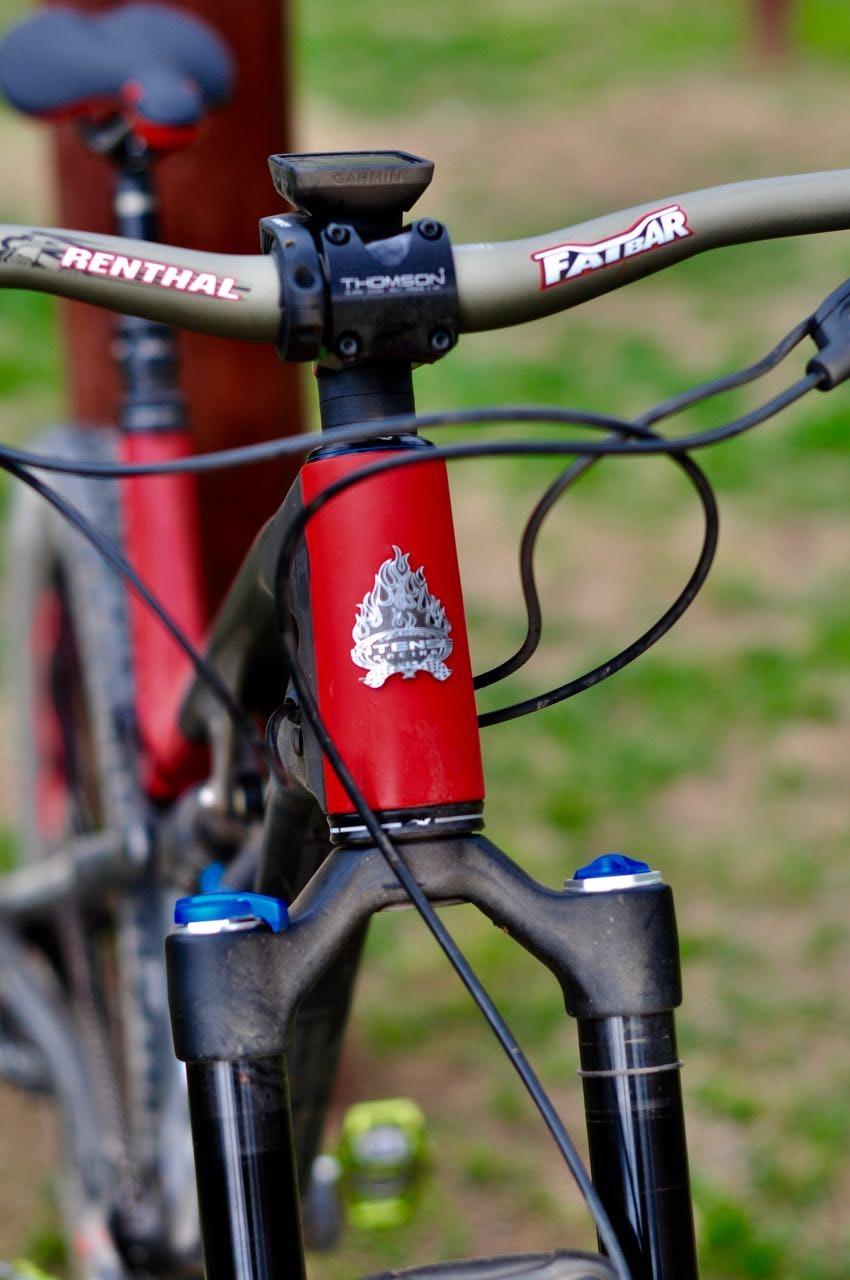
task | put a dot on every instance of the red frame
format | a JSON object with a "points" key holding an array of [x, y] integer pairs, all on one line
{"points": [[412, 742], [162, 539]]}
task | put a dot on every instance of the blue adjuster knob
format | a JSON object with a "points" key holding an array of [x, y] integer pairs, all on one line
{"points": [[206, 907], [611, 864]]}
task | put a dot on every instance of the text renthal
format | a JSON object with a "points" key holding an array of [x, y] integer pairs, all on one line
{"points": [[148, 272], [568, 261]]}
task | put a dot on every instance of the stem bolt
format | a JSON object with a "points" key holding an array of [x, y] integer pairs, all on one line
{"points": [[337, 233], [440, 340], [429, 228], [348, 346]]}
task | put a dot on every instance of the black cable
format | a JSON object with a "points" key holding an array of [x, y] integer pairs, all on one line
{"points": [[675, 404], [118, 562], [402, 424], [391, 853], [398, 864], [520, 449], [115, 558], [297, 445], [531, 598], [649, 637], [10, 459], [290, 446], [528, 581], [587, 451]]}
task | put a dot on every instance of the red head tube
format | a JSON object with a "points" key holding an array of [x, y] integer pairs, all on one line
{"points": [[388, 643]]}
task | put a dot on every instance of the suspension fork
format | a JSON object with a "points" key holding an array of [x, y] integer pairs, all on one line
{"points": [[613, 950], [234, 996]]}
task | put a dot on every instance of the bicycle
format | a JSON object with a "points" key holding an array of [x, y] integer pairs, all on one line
{"points": [[140, 80], [230, 1001]]}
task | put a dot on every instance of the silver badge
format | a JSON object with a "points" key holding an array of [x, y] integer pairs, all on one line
{"points": [[400, 628]]}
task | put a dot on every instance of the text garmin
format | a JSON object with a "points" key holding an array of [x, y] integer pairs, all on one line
{"points": [[568, 261], [368, 177], [146, 271]]}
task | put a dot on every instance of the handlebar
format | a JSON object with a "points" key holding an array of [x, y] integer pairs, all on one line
{"points": [[232, 295], [498, 285], [520, 280]]}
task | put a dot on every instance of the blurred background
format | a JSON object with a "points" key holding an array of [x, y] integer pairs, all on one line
{"points": [[722, 756]]}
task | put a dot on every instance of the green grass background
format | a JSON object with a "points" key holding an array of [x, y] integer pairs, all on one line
{"points": [[722, 756]]}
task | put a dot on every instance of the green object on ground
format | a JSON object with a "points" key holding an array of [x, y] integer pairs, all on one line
{"points": [[382, 1155]]}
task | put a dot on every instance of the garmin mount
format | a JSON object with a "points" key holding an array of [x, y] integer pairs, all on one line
{"points": [[356, 284], [363, 187]]}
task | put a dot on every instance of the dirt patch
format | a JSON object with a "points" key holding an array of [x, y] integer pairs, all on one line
{"points": [[28, 1168]]}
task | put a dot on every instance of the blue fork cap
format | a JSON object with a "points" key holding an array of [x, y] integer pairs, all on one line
{"points": [[232, 906], [611, 864]]}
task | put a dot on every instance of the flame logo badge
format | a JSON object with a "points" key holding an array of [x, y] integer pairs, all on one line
{"points": [[400, 628]]}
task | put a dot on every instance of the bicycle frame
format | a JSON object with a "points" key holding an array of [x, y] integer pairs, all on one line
{"points": [[610, 939]]}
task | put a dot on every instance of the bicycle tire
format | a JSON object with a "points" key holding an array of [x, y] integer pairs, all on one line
{"points": [[73, 678], [43, 549]]}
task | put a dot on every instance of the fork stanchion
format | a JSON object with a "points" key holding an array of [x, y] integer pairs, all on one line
{"points": [[239, 1101], [245, 1165], [630, 1072], [635, 1127]]}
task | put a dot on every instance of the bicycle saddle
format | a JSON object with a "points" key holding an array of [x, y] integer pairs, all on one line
{"points": [[160, 69]]}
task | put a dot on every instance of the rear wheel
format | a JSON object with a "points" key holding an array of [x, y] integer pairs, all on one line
{"points": [[79, 777]]}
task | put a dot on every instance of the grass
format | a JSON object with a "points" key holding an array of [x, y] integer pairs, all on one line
{"points": [[483, 55], [720, 755]]}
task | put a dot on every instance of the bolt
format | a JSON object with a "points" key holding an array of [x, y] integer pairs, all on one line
{"points": [[440, 340], [304, 278], [430, 229], [338, 234], [348, 346]]}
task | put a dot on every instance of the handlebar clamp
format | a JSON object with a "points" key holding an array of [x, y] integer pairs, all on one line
{"points": [[389, 299], [348, 300], [356, 285], [302, 289]]}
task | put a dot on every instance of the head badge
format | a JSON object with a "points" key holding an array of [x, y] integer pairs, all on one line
{"points": [[400, 628]]}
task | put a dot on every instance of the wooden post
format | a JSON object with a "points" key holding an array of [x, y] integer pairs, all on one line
{"points": [[772, 29], [212, 197]]}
